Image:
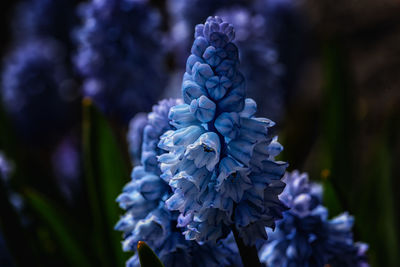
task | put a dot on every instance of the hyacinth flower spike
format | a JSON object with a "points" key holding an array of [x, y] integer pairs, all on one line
{"points": [[306, 237], [143, 198], [219, 159]]}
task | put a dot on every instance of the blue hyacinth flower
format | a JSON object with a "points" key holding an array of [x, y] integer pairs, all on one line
{"points": [[219, 160], [145, 197], [305, 236]]}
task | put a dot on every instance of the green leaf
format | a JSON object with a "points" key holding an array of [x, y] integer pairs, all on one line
{"points": [[57, 223], [331, 200], [376, 200], [106, 172], [147, 256], [362, 183]]}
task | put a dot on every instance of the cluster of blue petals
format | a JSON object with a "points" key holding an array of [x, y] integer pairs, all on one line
{"points": [[220, 161], [305, 236], [147, 218], [120, 56]]}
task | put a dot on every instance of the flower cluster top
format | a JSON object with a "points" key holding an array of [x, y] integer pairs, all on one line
{"points": [[305, 236], [148, 219], [220, 161]]}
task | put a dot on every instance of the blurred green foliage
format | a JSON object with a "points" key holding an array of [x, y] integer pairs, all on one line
{"points": [[106, 172], [59, 234], [357, 169]]}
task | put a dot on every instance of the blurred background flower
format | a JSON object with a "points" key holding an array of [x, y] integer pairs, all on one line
{"points": [[119, 56], [37, 89], [305, 236]]}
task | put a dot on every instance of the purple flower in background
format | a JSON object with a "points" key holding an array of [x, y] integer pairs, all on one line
{"points": [[37, 89], [146, 216], [44, 18], [120, 56], [66, 161], [305, 236], [5, 167]]}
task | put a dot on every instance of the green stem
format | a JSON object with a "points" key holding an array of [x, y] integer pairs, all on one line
{"points": [[249, 254]]}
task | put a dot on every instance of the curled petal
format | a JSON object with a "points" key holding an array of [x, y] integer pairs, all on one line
{"points": [[169, 163], [199, 177], [205, 151], [126, 223], [138, 206], [181, 116], [149, 160], [184, 220], [180, 137], [227, 68], [191, 90], [275, 148], [151, 187], [301, 205], [214, 56], [198, 30], [228, 124], [233, 179], [152, 228], [199, 46], [254, 129], [217, 86], [201, 73], [250, 108], [203, 109], [192, 59], [233, 101], [241, 150]]}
